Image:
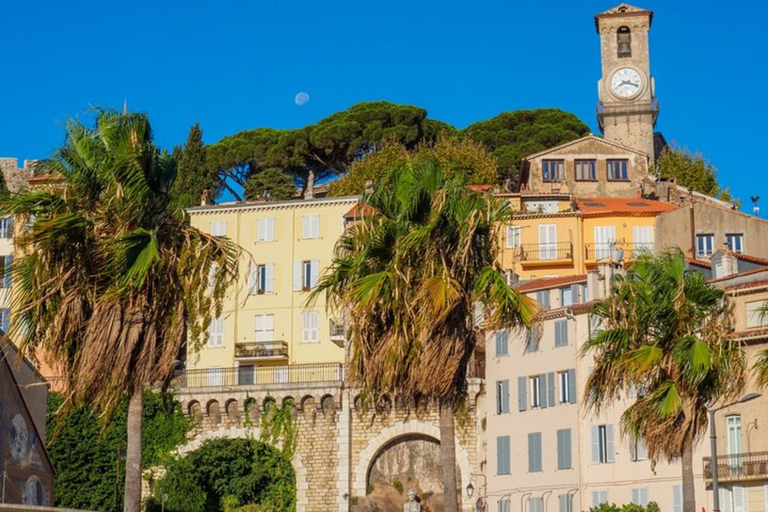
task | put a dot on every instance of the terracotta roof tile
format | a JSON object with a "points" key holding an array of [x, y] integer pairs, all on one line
{"points": [[740, 274], [550, 282], [623, 205], [359, 210], [699, 263], [744, 286], [751, 259]]}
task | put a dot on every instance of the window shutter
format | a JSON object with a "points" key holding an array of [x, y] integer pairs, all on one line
{"points": [[595, 444], [677, 498], [7, 271], [6, 319], [305, 327], [502, 455], [542, 297], [564, 449], [270, 229], [501, 343], [304, 227], [9, 227], [739, 499], [297, 276], [315, 265], [633, 449], [543, 390], [572, 385], [315, 226], [262, 230], [575, 293], [609, 447], [561, 333], [499, 399], [522, 393], [636, 496], [505, 396], [551, 388], [534, 452], [270, 285], [252, 279], [563, 499]]}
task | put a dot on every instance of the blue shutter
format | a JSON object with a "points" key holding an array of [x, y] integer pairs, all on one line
{"points": [[534, 452], [501, 343], [9, 227], [502, 455], [572, 385], [564, 500], [561, 333], [543, 299], [7, 272], [5, 316], [551, 388], [543, 391], [522, 393], [502, 400], [564, 449]]}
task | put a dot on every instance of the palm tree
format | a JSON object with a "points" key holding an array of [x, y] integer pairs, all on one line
{"points": [[665, 337], [761, 364], [110, 284], [410, 273]]}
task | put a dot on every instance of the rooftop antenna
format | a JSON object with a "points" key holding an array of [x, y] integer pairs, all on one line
{"points": [[125, 106], [755, 208]]}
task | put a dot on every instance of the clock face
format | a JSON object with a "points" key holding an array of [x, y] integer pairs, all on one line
{"points": [[626, 82]]}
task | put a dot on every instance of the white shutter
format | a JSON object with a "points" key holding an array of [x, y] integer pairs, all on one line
{"points": [[643, 238], [739, 499], [297, 276], [216, 333], [305, 226], [595, 444], [726, 503], [310, 226], [270, 230], [315, 265], [605, 237], [609, 448], [548, 242], [215, 376], [677, 498], [315, 226], [252, 279], [513, 237], [262, 230], [270, 285], [219, 228], [260, 328], [314, 328]]}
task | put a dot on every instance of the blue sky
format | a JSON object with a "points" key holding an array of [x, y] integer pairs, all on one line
{"points": [[238, 64]]}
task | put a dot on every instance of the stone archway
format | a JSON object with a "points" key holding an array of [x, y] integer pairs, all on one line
{"points": [[302, 500], [391, 434]]}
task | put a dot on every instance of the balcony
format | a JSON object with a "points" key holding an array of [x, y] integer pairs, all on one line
{"points": [[615, 251], [544, 254], [258, 376], [733, 468], [261, 350], [338, 332]]}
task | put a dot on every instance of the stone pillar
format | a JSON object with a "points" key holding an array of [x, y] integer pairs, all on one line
{"points": [[344, 441]]}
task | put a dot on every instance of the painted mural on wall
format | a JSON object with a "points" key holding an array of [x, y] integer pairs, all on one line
{"points": [[26, 474]]}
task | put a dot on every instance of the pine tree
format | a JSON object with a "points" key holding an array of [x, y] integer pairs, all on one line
{"points": [[192, 175]]}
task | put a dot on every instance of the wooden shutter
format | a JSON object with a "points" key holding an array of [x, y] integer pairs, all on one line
{"points": [[739, 498], [270, 229], [551, 388], [572, 385], [315, 275], [305, 226], [501, 343], [542, 297], [505, 396], [252, 279], [502, 455], [522, 393], [297, 276], [677, 498], [643, 238], [261, 230], [605, 236], [564, 500], [564, 449], [595, 444], [534, 452], [561, 333], [609, 446], [576, 294], [547, 241], [270, 281], [315, 226], [543, 390]]}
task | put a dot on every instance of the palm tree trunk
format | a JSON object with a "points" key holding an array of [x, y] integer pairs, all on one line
{"points": [[133, 454], [309, 189], [448, 456], [689, 492]]}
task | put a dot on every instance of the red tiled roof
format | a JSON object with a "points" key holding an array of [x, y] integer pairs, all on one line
{"points": [[748, 272], [480, 188], [751, 259], [699, 263], [359, 210], [751, 333], [550, 282], [744, 286], [623, 205]]}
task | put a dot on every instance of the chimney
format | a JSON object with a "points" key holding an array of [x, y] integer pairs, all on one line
{"points": [[725, 263], [206, 200], [599, 279]]}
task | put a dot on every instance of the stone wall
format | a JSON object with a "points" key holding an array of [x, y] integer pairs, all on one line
{"points": [[16, 177]]}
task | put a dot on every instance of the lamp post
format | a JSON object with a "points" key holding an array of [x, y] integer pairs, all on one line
{"points": [[471, 488], [713, 441]]}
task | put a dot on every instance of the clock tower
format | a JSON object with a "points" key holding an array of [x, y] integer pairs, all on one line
{"points": [[627, 107]]}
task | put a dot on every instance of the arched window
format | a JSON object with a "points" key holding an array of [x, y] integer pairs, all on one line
{"points": [[624, 39]]}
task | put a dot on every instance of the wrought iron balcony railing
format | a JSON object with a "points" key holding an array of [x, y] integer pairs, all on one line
{"points": [[616, 251], [338, 330], [258, 376], [544, 252], [744, 466], [261, 350]]}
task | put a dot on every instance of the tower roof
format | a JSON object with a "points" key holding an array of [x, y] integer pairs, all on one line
{"points": [[623, 11]]}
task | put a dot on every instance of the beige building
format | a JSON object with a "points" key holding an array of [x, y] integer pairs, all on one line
{"points": [[268, 324]]}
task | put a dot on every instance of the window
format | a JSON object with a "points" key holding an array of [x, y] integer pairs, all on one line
{"points": [[265, 328], [637, 450], [643, 238], [617, 170], [602, 444], [705, 244], [5, 319], [586, 170], [6, 227], [305, 274], [553, 170], [566, 502], [536, 504], [5, 272], [566, 297], [538, 388], [542, 297], [245, 374], [624, 42], [565, 386], [266, 230], [547, 242], [513, 237], [595, 325], [605, 242], [310, 226], [677, 498], [215, 376], [502, 455], [534, 452], [216, 333], [735, 242], [502, 397], [309, 327], [755, 317], [734, 435], [584, 293], [599, 497], [640, 496], [505, 504], [532, 339], [502, 344], [561, 333], [219, 228], [261, 279], [564, 449]]}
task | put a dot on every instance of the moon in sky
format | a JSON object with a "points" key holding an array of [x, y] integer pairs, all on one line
{"points": [[301, 99]]}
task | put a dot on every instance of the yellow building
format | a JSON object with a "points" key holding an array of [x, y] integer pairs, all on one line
{"points": [[267, 319]]}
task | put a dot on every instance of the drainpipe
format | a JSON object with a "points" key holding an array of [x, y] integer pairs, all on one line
{"points": [[693, 231]]}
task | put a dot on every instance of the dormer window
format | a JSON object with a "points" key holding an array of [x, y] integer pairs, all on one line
{"points": [[624, 40]]}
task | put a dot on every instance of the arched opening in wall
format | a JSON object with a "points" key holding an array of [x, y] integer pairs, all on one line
{"points": [[624, 41], [214, 412], [411, 461]]}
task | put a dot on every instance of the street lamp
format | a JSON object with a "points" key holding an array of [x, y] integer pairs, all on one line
{"points": [[713, 438], [471, 488]]}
